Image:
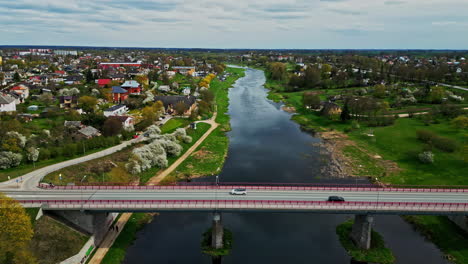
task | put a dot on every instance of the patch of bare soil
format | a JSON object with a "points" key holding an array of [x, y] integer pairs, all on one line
{"points": [[289, 109], [340, 165], [201, 154]]}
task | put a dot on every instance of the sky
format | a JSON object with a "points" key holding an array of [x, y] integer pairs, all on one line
{"points": [[266, 24]]}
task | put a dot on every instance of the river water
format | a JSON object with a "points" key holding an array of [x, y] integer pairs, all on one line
{"points": [[266, 146]]}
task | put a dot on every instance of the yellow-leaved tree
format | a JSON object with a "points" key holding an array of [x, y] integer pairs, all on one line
{"points": [[15, 233]]}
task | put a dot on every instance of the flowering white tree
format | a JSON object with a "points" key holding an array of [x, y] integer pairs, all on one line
{"points": [[9, 159], [149, 97], [33, 154]]}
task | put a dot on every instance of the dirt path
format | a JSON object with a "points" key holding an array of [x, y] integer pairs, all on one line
{"points": [[161, 175], [111, 236]]}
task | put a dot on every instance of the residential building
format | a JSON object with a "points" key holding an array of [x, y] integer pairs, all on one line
{"points": [[103, 82], [119, 94], [89, 132], [116, 110], [21, 90], [7, 103], [133, 87], [68, 101], [185, 70], [127, 122], [171, 101]]}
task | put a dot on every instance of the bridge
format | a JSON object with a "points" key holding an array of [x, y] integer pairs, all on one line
{"points": [[89, 206]]}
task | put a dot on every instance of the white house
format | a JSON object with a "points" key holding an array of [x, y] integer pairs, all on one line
{"points": [[186, 91], [164, 88], [116, 110], [127, 122], [7, 103]]}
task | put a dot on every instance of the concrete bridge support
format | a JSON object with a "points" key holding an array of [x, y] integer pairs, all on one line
{"points": [[93, 223], [361, 232], [217, 232], [460, 220]]}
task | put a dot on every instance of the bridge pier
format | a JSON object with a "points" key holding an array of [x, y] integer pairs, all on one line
{"points": [[217, 232], [362, 230], [93, 223]]}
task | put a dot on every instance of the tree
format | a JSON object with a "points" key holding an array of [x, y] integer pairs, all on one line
{"points": [[380, 91], [112, 127], [89, 76], [278, 71], [33, 154], [180, 108], [460, 122], [345, 114], [16, 77], [437, 94], [207, 96], [46, 98], [88, 103], [2, 77], [9, 159], [312, 77], [311, 100], [16, 232]]}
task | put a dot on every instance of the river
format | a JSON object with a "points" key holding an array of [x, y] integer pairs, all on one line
{"points": [[266, 146]]}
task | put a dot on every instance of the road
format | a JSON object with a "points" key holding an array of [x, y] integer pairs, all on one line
{"points": [[222, 194], [454, 86], [31, 180]]}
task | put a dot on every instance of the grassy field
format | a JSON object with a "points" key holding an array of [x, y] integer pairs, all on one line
{"points": [[53, 236], [378, 253], [173, 124], [117, 252], [209, 157]]}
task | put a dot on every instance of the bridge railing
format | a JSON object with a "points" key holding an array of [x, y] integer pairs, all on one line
{"points": [[277, 187], [250, 204]]}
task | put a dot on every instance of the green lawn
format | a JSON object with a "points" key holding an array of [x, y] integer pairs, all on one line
{"points": [[378, 253], [116, 253], [174, 123]]}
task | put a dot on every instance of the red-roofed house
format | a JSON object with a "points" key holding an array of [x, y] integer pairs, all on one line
{"points": [[21, 90], [133, 87], [60, 73], [103, 82]]}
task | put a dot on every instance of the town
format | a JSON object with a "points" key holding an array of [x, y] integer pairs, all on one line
{"points": [[79, 121]]}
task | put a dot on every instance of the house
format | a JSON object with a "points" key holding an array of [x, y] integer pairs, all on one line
{"points": [[117, 77], [73, 124], [127, 122], [75, 79], [68, 101], [133, 87], [103, 82], [8, 76], [330, 109], [89, 132], [116, 110], [171, 101], [119, 94], [7, 103], [186, 91], [21, 90], [164, 88], [185, 70]]}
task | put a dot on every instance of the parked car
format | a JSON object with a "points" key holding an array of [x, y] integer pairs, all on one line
{"points": [[238, 191], [336, 199], [135, 136]]}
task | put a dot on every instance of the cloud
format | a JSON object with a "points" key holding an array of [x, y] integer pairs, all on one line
{"points": [[394, 2], [236, 23]]}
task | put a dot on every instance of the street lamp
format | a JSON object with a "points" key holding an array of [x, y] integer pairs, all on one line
{"points": [[82, 198], [378, 193], [216, 192]]}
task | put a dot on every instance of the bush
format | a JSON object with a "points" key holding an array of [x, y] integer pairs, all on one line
{"points": [[445, 144], [460, 122], [426, 157], [442, 143], [425, 135], [9, 159]]}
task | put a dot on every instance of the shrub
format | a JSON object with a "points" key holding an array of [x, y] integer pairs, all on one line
{"points": [[460, 122], [445, 144], [9, 159], [426, 157], [425, 135]]}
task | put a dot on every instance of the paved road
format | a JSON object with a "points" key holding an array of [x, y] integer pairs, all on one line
{"points": [[299, 195], [454, 86], [31, 180]]}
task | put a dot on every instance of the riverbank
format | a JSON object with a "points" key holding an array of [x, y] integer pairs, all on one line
{"points": [[390, 154], [209, 157]]}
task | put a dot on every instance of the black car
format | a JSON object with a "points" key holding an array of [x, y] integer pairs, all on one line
{"points": [[336, 199]]}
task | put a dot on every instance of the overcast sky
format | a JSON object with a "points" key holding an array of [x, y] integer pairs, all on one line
{"points": [[270, 24]]}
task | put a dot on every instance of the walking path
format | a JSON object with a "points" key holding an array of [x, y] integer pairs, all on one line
{"points": [[161, 175], [112, 236]]}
